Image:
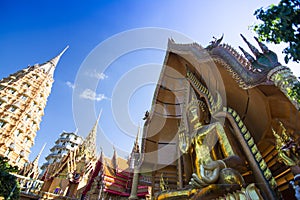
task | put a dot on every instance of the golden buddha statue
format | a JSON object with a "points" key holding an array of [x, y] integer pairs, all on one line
{"points": [[212, 158], [209, 146]]}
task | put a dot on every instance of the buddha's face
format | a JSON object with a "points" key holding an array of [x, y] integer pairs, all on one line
{"points": [[195, 116]]}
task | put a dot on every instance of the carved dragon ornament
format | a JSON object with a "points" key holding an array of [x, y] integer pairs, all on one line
{"points": [[249, 71]]}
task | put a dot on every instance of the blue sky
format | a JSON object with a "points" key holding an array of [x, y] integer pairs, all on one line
{"points": [[35, 31]]}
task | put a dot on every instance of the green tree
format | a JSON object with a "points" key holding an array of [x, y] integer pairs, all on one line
{"points": [[281, 24], [9, 188], [295, 92]]}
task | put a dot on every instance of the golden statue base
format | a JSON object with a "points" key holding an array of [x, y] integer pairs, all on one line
{"points": [[215, 191]]}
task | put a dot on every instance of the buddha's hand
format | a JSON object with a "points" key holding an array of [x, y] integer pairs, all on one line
{"points": [[184, 142], [209, 174]]}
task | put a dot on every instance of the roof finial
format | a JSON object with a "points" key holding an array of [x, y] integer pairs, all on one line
{"points": [[136, 148], [90, 140], [101, 154], [115, 158], [134, 155], [100, 113], [36, 160], [49, 66], [32, 170]]}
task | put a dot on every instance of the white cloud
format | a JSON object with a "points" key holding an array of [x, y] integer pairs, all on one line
{"points": [[100, 76], [70, 85], [91, 95], [97, 75]]}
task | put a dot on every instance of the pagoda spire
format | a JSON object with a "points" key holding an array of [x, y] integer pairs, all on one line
{"points": [[35, 162], [136, 147], [50, 65], [135, 153], [101, 157], [115, 159], [32, 169], [133, 164], [90, 141]]}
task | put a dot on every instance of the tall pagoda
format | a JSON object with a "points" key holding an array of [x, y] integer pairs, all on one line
{"points": [[66, 142], [23, 97]]}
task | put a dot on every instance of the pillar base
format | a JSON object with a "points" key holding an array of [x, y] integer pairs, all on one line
{"points": [[133, 197]]}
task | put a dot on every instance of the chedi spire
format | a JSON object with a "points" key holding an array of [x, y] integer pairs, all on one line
{"points": [[90, 141]]}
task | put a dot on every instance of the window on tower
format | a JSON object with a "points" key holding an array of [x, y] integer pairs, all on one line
{"points": [[12, 91], [23, 97], [12, 109], [7, 152], [26, 117], [17, 133], [5, 99], [25, 140], [34, 104], [11, 146], [27, 85], [22, 153], [2, 124]]}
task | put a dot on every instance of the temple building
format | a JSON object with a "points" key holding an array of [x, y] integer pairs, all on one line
{"points": [[31, 170], [222, 125], [67, 141], [28, 179], [23, 97], [113, 177], [67, 176]]}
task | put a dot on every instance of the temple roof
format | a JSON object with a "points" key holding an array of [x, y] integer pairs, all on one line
{"points": [[107, 166]]}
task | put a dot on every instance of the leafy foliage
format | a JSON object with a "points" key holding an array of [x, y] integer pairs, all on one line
{"points": [[281, 23], [9, 188], [295, 92]]}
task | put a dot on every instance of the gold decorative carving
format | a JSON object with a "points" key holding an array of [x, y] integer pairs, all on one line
{"points": [[162, 184], [251, 192], [288, 150]]}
